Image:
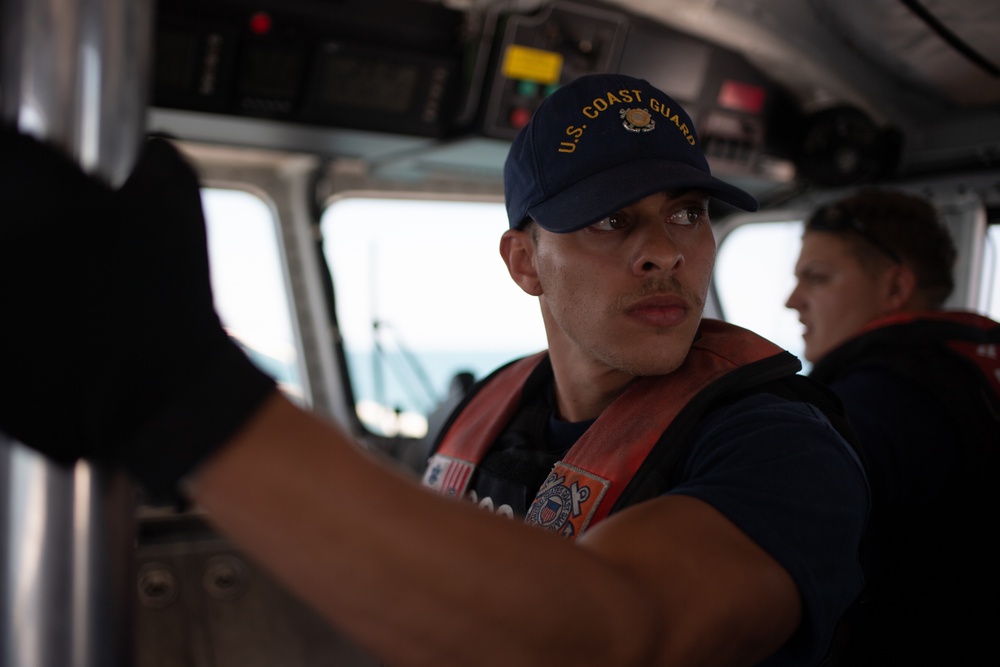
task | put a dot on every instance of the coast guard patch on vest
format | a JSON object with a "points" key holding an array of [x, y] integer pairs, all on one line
{"points": [[567, 500]]}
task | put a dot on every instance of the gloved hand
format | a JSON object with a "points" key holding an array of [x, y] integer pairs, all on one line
{"points": [[110, 347]]}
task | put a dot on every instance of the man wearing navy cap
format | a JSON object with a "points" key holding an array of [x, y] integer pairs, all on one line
{"points": [[680, 496]]}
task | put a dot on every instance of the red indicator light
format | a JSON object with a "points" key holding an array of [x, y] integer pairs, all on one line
{"points": [[740, 96], [260, 23], [519, 117]]}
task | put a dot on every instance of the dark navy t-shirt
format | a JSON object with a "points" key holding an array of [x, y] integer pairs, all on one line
{"points": [[775, 468]]}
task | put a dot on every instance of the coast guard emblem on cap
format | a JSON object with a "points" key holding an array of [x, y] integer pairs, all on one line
{"points": [[637, 120]]}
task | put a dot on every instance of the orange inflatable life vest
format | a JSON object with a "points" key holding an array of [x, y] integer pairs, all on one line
{"points": [[584, 486]]}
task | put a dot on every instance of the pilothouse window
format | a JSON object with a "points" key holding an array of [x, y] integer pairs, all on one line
{"points": [[422, 295], [989, 292], [755, 274], [248, 283]]}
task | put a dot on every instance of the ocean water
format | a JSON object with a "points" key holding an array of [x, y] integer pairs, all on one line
{"points": [[387, 385], [403, 395], [418, 381]]}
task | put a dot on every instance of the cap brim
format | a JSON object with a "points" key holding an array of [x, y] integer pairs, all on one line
{"points": [[599, 195]]}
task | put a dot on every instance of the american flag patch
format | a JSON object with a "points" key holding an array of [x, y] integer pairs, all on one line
{"points": [[447, 475]]}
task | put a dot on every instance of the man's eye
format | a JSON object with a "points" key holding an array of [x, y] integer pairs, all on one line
{"points": [[612, 222], [691, 215], [814, 278]]}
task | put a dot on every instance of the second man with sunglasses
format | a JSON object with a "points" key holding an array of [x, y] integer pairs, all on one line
{"points": [[920, 384]]}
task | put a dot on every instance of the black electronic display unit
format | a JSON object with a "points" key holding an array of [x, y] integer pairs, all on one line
{"points": [[380, 90], [321, 63], [194, 65]]}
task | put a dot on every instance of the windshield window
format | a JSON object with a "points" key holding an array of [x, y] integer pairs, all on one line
{"points": [[421, 296], [248, 283], [755, 274], [989, 292]]}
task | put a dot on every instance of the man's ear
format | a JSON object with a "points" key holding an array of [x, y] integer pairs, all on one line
{"points": [[901, 289], [518, 251]]}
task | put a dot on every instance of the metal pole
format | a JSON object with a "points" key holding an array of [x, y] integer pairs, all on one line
{"points": [[73, 72]]}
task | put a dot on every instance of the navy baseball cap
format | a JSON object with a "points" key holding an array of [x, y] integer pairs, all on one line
{"points": [[597, 145]]}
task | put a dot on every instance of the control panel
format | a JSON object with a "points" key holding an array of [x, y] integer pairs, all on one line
{"points": [[538, 53]]}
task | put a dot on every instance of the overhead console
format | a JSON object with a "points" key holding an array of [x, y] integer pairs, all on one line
{"points": [[408, 69], [390, 66], [746, 122]]}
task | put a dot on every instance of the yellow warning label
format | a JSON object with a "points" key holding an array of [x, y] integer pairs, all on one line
{"points": [[522, 62]]}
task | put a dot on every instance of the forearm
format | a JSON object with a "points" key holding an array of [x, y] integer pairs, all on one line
{"points": [[414, 577]]}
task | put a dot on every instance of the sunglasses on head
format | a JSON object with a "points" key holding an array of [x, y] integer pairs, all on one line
{"points": [[835, 219]]}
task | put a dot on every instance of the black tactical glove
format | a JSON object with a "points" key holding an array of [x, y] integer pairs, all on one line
{"points": [[110, 347]]}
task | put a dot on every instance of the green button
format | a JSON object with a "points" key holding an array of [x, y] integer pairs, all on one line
{"points": [[527, 88]]}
